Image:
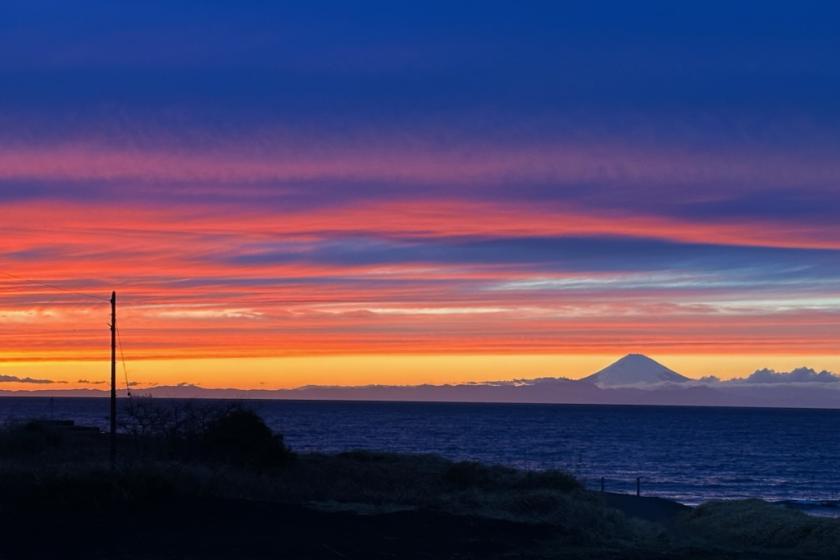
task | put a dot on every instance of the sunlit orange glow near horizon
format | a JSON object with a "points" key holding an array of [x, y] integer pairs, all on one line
{"points": [[390, 369], [402, 287]]}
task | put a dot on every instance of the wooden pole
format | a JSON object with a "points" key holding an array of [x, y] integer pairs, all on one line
{"points": [[638, 486], [113, 442]]}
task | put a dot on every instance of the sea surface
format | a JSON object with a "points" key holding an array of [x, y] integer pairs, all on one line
{"points": [[688, 454]]}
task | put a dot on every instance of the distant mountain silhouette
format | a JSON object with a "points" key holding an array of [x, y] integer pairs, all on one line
{"points": [[634, 369], [633, 380]]}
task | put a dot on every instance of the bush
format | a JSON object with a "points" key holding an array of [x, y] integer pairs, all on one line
{"points": [[241, 437], [218, 432], [170, 422]]}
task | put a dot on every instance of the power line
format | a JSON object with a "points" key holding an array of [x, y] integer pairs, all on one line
{"points": [[81, 294], [125, 368], [91, 296]]}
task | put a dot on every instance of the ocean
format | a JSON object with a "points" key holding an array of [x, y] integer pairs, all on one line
{"points": [[688, 454]]}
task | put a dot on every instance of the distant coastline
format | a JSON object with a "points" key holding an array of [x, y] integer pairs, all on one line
{"points": [[632, 380]]}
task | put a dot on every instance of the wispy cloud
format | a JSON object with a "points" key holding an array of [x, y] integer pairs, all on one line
{"points": [[553, 181], [16, 379]]}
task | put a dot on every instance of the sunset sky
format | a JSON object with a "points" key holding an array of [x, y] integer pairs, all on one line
{"points": [[344, 193]]}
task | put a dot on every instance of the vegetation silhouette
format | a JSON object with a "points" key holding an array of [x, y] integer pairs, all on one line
{"points": [[217, 432], [241, 437], [212, 481]]}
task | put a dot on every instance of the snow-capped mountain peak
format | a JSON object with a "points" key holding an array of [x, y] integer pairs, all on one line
{"points": [[635, 369]]}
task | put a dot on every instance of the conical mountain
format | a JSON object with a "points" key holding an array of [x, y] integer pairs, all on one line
{"points": [[634, 369]]}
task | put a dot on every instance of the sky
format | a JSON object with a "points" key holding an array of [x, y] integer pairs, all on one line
{"points": [[345, 193]]}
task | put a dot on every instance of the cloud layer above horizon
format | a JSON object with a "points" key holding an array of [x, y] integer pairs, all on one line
{"points": [[379, 178]]}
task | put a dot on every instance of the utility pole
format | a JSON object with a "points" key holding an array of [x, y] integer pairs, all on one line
{"points": [[113, 378]]}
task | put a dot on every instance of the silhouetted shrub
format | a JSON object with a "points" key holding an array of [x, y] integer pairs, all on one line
{"points": [[171, 422], [214, 432], [241, 437]]}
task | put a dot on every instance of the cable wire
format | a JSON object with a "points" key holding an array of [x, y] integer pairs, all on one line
{"points": [[92, 296], [125, 368]]}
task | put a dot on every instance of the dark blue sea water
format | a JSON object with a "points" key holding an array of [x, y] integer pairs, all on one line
{"points": [[685, 453]]}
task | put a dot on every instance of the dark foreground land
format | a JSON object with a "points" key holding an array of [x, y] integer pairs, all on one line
{"points": [[228, 493]]}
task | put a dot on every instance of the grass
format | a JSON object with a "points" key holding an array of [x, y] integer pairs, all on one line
{"points": [[44, 467], [754, 524], [47, 466]]}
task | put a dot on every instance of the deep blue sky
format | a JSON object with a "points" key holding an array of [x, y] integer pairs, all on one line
{"points": [[432, 177]]}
